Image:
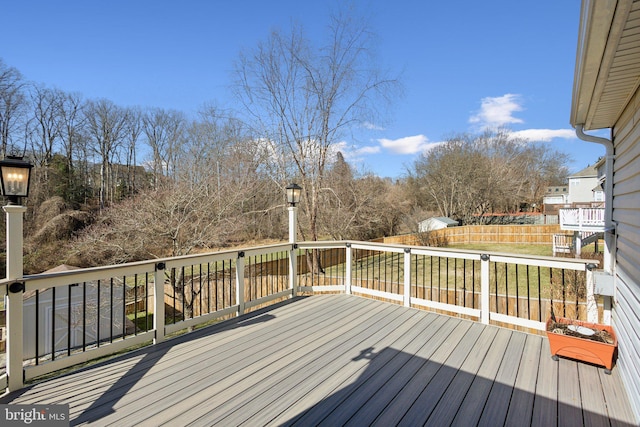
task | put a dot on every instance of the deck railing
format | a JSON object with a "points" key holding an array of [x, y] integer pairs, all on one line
{"points": [[71, 317], [582, 219]]}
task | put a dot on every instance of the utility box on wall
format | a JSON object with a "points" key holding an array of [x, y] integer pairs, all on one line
{"points": [[604, 283]]}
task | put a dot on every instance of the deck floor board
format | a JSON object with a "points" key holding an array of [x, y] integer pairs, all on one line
{"points": [[339, 360]]}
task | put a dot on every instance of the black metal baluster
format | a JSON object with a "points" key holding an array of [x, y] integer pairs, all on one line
{"points": [[551, 288], [84, 316], [208, 287], [98, 315], [464, 282], [37, 297], [439, 279], [53, 324], [540, 295], [506, 288], [224, 285], [182, 286], [473, 283], [564, 295], [447, 278], [124, 305], [111, 320], [431, 278], [146, 302], [495, 271], [135, 304], [517, 293], [528, 293], [69, 320]]}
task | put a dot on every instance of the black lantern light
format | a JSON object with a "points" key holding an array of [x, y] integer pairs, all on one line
{"points": [[293, 194], [15, 175]]}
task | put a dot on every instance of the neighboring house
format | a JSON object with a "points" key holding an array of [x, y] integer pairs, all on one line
{"points": [[436, 223], [556, 195], [583, 191], [606, 95], [583, 187]]}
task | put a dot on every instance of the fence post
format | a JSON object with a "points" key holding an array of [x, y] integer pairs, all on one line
{"points": [[293, 269], [407, 277], [484, 289], [240, 283], [348, 262], [158, 302]]}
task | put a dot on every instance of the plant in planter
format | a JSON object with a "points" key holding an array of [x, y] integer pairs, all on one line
{"points": [[580, 340], [584, 341]]}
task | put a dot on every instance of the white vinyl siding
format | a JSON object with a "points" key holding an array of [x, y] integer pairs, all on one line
{"points": [[626, 213]]}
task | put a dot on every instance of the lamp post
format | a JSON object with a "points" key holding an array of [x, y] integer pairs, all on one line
{"points": [[15, 176], [293, 198]]}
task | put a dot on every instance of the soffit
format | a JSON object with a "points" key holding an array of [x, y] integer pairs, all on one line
{"points": [[608, 62]]}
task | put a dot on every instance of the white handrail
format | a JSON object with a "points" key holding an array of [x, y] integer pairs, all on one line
{"points": [[157, 270]]}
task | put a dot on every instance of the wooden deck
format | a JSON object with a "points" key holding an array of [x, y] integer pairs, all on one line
{"points": [[340, 360]]}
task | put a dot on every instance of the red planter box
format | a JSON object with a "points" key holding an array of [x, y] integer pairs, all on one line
{"points": [[583, 349]]}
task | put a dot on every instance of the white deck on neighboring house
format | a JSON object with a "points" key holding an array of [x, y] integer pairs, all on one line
{"points": [[340, 360]]}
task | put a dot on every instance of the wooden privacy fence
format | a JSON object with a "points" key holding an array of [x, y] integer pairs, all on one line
{"points": [[478, 234]]}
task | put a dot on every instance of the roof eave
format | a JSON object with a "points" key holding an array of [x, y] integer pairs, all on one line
{"points": [[597, 25]]}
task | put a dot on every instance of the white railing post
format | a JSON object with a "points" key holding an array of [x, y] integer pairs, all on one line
{"points": [[240, 283], [407, 277], [348, 262], [485, 309], [592, 304], [293, 270], [15, 309], [158, 302]]}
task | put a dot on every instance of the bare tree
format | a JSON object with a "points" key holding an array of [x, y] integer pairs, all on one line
{"points": [[469, 176], [163, 130], [106, 125], [133, 132], [12, 104], [45, 126], [303, 100], [71, 122]]}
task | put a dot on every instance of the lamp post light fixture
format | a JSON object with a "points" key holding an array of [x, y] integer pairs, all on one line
{"points": [[15, 175], [293, 194]]}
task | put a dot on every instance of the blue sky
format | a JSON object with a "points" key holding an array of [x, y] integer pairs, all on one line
{"points": [[465, 65]]}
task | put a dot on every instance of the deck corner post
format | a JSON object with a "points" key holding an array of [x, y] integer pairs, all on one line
{"points": [[485, 309], [158, 302], [407, 277], [592, 303], [348, 262], [15, 295]]}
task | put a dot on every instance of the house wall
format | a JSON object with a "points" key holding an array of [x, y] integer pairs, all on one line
{"points": [[581, 189], [626, 213]]}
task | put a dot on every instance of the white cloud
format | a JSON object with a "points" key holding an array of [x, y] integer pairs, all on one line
{"points": [[497, 111], [353, 153], [543, 135], [367, 150], [371, 126], [407, 145]]}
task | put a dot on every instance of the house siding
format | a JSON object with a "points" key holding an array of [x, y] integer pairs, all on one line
{"points": [[626, 213]]}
